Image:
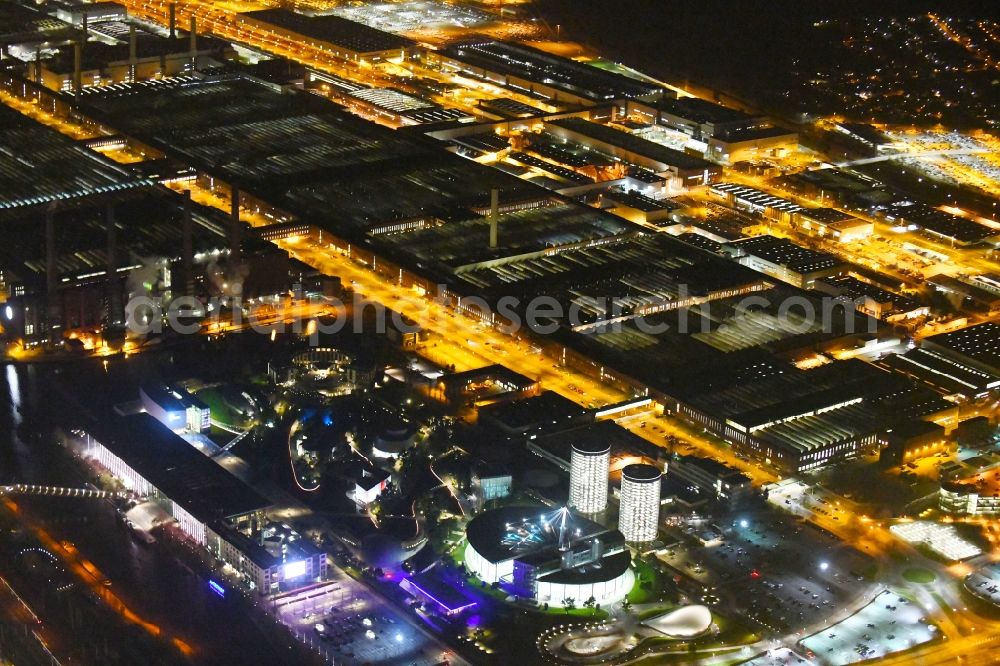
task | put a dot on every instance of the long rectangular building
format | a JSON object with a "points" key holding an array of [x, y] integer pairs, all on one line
{"points": [[214, 508], [797, 420], [951, 228], [690, 170], [342, 37], [782, 259], [966, 361], [535, 72], [39, 166]]}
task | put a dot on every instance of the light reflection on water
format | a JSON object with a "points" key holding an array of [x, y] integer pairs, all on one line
{"points": [[14, 393]]}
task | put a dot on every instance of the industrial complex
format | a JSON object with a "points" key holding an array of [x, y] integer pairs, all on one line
{"points": [[420, 333]]}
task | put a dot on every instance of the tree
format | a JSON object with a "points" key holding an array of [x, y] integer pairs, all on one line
{"points": [[590, 603], [569, 603]]}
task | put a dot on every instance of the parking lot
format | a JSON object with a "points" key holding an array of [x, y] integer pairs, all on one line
{"points": [[357, 633], [781, 573], [985, 583], [889, 623], [350, 625]]}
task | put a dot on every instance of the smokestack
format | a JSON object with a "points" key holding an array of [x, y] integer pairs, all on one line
{"points": [[494, 218], [173, 20], [51, 278], [234, 226], [114, 295], [187, 256], [193, 36], [50, 251], [133, 58], [77, 76]]}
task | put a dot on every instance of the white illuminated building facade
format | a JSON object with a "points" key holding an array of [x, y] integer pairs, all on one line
{"points": [[588, 476], [175, 408], [942, 539], [548, 556], [639, 512], [212, 507]]}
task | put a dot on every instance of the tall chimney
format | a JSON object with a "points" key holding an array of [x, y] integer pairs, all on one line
{"points": [[494, 218], [173, 20], [50, 250], [193, 36], [187, 256], [115, 314], [234, 226], [77, 76], [51, 278], [133, 58]]}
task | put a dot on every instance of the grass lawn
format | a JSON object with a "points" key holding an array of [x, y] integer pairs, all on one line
{"points": [[646, 584], [653, 612], [221, 412], [870, 571], [596, 615], [919, 575]]}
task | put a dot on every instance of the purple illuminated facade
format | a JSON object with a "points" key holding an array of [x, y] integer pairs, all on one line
{"points": [[445, 598]]}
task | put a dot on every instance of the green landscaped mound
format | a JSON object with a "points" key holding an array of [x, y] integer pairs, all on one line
{"points": [[917, 575]]}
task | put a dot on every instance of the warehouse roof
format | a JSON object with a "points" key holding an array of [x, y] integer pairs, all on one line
{"points": [[337, 30]]}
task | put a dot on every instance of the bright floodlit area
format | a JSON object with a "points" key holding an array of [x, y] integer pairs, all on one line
{"points": [[778, 657], [889, 623], [942, 539], [403, 17], [985, 583], [952, 157]]}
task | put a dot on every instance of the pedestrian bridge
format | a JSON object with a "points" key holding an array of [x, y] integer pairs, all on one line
{"points": [[631, 407], [57, 491]]}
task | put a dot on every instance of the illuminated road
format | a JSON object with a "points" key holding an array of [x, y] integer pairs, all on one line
{"points": [[466, 343], [963, 41], [90, 576], [219, 20], [16, 613], [916, 155]]}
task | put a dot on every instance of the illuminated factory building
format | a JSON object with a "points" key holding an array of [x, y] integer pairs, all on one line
{"points": [[639, 513], [588, 476]]}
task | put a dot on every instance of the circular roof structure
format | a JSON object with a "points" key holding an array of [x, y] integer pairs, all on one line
{"points": [[591, 446], [512, 531], [393, 441], [641, 473], [685, 622]]}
